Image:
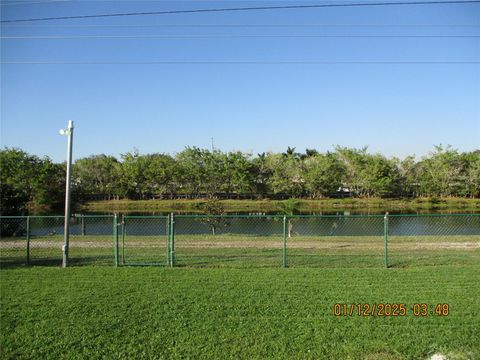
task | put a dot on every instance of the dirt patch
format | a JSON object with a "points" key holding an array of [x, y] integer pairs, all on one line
{"points": [[328, 245], [5, 245], [255, 244], [444, 245]]}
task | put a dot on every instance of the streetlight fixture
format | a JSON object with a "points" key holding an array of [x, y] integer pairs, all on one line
{"points": [[67, 132]]}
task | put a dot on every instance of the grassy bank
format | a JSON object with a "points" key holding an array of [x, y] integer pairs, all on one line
{"points": [[371, 204], [145, 313]]}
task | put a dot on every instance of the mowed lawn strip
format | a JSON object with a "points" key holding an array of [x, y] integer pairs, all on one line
{"points": [[91, 312]]}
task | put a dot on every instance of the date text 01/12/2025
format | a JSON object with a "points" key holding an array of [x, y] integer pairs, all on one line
{"points": [[391, 309]]}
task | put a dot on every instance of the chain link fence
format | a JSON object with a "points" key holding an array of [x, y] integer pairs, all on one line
{"points": [[145, 240], [424, 240], [38, 240], [45, 240], [227, 241], [335, 241], [244, 241], [93, 240], [14, 249]]}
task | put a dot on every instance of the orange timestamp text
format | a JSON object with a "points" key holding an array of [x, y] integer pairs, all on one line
{"points": [[391, 309]]}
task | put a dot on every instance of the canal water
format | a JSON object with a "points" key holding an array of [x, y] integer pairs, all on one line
{"points": [[268, 224]]}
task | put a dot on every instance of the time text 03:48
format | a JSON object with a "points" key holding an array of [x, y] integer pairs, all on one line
{"points": [[391, 309]]}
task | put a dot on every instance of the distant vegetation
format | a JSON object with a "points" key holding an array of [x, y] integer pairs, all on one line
{"points": [[28, 181]]}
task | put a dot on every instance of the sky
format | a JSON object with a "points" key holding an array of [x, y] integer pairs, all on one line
{"points": [[396, 109]]}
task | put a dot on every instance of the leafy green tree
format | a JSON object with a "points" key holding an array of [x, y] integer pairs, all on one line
{"points": [[49, 185], [440, 173], [133, 181], [159, 175], [191, 170], [213, 171], [97, 174], [17, 168], [286, 173], [238, 173], [354, 162], [407, 176], [310, 153], [380, 176], [29, 182], [471, 175], [324, 174], [261, 173], [368, 175], [214, 209], [12, 201]]}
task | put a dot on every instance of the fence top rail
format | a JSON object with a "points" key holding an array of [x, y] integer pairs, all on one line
{"points": [[275, 216], [31, 216], [196, 216], [380, 215], [193, 216], [46, 217], [334, 216], [145, 216], [93, 216], [55, 216], [431, 215], [242, 216]]}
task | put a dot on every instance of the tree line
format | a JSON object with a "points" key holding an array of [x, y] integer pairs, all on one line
{"points": [[28, 181]]}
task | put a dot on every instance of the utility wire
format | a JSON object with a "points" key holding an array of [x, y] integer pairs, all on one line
{"points": [[79, 37], [239, 62], [238, 25], [32, 2], [252, 8]]}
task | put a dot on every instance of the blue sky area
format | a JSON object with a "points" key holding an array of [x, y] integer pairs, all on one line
{"points": [[395, 109]]}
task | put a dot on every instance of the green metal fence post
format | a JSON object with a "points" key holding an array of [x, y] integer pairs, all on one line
{"points": [[124, 228], [385, 237], [168, 240], [28, 240], [284, 247], [115, 238], [83, 225], [172, 237]]}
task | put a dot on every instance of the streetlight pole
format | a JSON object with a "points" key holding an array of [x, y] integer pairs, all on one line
{"points": [[68, 132]]}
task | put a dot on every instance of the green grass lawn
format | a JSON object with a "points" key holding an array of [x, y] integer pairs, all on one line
{"points": [[213, 313]]}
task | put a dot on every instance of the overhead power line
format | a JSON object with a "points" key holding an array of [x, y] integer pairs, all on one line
{"points": [[32, 2], [240, 62], [80, 37], [17, 25], [250, 8]]}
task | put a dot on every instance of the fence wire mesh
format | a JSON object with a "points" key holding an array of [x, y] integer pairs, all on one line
{"points": [[423, 240], [38, 240], [227, 241], [244, 241], [335, 241], [92, 240], [144, 240], [13, 241], [46, 240]]}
